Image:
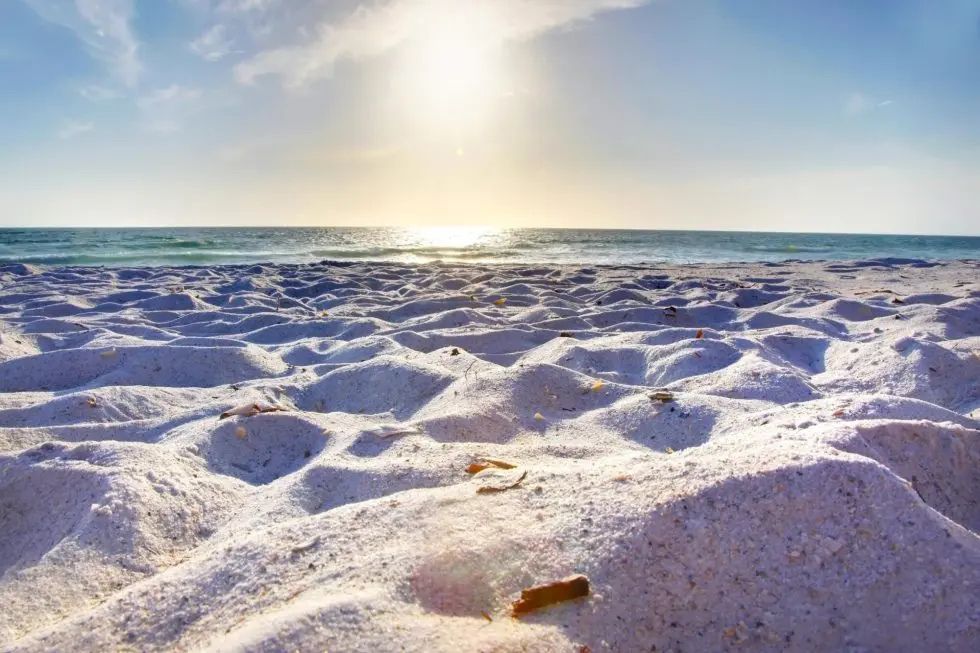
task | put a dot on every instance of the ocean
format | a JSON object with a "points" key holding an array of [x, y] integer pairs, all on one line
{"points": [[209, 246]]}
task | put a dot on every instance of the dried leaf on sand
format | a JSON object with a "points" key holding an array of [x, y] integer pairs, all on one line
{"points": [[540, 596], [491, 489], [485, 463], [248, 410], [662, 396]]}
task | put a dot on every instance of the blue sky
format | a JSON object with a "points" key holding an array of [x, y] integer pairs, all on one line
{"points": [[859, 116]]}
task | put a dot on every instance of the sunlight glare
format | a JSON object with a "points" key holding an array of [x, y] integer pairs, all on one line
{"points": [[450, 73]]}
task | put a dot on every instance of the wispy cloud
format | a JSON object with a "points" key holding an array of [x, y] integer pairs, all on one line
{"points": [[104, 26], [98, 93], [858, 104], [372, 30], [73, 128], [166, 109], [213, 45]]}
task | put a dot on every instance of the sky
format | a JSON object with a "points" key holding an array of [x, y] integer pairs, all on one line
{"points": [[811, 115]]}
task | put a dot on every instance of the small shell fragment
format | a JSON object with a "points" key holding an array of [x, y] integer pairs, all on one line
{"points": [[540, 596], [395, 430], [539, 417], [240, 432]]}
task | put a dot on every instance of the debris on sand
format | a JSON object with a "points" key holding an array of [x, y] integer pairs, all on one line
{"points": [[493, 489], [541, 596], [485, 463], [395, 430], [248, 410], [662, 396]]}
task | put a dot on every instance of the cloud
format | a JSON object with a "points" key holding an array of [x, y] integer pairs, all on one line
{"points": [[372, 30], [166, 109], [73, 128], [98, 93], [213, 45], [104, 26], [858, 104]]}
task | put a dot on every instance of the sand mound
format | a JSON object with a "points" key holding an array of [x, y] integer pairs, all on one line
{"points": [[762, 457]]}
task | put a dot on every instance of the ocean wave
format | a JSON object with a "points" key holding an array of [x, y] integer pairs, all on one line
{"points": [[789, 249], [424, 252], [129, 258]]}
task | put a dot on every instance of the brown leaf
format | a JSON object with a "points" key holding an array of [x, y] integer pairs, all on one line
{"points": [[541, 596], [662, 395], [486, 616], [247, 410], [699, 334], [489, 489], [486, 463], [839, 413]]}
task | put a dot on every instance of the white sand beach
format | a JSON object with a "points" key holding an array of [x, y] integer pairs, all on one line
{"points": [[761, 457]]}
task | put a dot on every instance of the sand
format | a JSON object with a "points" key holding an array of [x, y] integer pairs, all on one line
{"points": [[808, 482]]}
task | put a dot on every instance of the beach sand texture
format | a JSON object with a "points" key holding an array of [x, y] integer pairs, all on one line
{"points": [[743, 456]]}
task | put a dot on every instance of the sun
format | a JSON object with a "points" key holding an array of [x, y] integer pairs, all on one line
{"points": [[450, 75]]}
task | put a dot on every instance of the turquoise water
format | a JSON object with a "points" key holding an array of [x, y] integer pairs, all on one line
{"points": [[189, 246]]}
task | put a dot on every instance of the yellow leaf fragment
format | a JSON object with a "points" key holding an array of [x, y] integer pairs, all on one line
{"points": [[539, 417], [485, 463], [540, 596], [501, 301], [597, 386]]}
